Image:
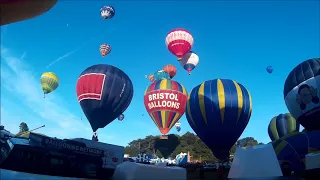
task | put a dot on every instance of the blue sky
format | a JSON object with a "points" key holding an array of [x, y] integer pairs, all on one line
{"points": [[234, 40]]}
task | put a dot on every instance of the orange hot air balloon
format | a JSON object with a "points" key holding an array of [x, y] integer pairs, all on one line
{"points": [[151, 78], [171, 70], [165, 100]]}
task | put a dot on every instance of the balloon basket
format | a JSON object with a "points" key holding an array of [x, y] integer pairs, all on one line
{"points": [[163, 137]]}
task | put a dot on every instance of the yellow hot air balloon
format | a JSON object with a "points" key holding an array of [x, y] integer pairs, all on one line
{"points": [[49, 82]]}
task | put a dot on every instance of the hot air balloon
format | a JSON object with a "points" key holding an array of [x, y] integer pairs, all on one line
{"points": [[178, 126], [282, 125], [121, 117], [178, 129], [301, 93], [165, 101], [189, 61], [101, 99], [179, 42], [218, 111], [19, 10], [166, 146], [292, 148], [160, 75], [49, 82], [107, 12], [269, 69], [105, 49], [171, 70]]}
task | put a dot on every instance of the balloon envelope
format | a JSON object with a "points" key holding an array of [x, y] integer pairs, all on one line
{"points": [[189, 61], [218, 111], [165, 101], [101, 99], [107, 12], [49, 82], [269, 69], [171, 70], [105, 49], [179, 42], [282, 125], [301, 93], [121, 117], [293, 147]]}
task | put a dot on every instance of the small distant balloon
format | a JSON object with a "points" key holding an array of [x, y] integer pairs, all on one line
{"points": [[121, 117], [269, 69], [49, 82], [107, 12], [105, 49], [160, 75]]}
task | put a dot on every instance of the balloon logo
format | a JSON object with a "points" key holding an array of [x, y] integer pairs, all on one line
{"points": [[301, 93], [218, 111], [104, 93], [165, 101], [179, 42]]}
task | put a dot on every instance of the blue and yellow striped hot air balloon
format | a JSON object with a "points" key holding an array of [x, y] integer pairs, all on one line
{"points": [[49, 82], [218, 111], [165, 100], [282, 125], [293, 148]]}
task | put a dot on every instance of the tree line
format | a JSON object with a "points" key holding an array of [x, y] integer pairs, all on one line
{"points": [[176, 144]]}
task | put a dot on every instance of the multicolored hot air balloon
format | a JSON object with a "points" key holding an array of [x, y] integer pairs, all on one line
{"points": [[282, 125], [121, 117], [105, 49], [218, 111], [171, 70], [269, 69], [107, 12], [160, 75], [49, 82], [189, 61], [179, 42], [165, 101], [102, 100], [292, 148], [301, 93]]}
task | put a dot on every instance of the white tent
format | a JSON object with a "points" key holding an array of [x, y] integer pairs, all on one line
{"points": [[313, 161], [255, 161], [135, 171]]}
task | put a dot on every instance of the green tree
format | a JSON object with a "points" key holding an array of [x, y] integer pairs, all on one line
{"points": [[23, 127]]}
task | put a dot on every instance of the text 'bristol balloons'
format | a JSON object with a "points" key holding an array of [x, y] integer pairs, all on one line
{"points": [[105, 49], [282, 125], [301, 93], [189, 61], [171, 70], [269, 69], [49, 82], [179, 42], [107, 12], [160, 75], [101, 99], [165, 101], [218, 111]]}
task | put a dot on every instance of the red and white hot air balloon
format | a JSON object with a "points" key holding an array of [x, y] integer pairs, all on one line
{"points": [[179, 42]]}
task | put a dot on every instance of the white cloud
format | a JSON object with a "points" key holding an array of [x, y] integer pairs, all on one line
{"points": [[20, 81]]}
